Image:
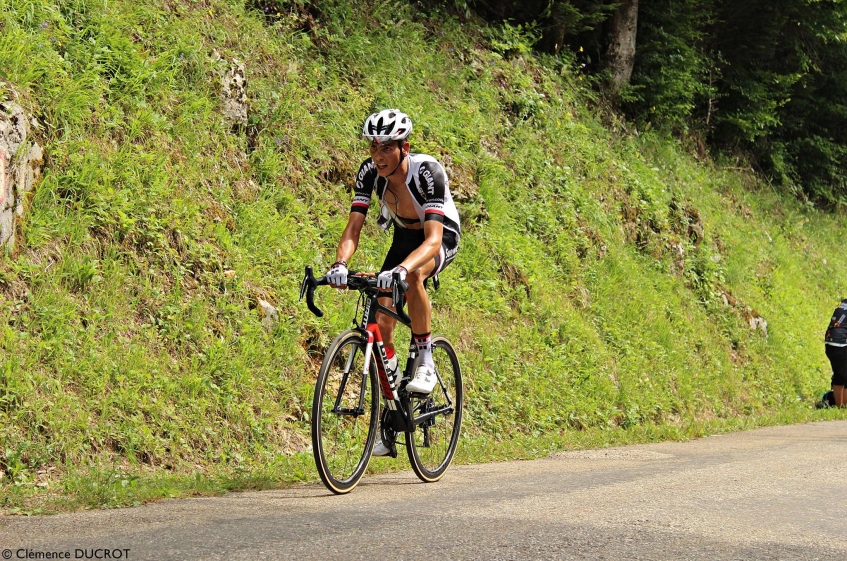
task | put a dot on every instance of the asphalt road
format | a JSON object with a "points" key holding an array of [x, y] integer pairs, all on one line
{"points": [[774, 493]]}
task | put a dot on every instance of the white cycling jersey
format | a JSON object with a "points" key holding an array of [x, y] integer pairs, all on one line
{"points": [[426, 181]]}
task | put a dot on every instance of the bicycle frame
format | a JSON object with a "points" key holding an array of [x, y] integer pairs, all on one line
{"points": [[388, 385], [397, 401]]}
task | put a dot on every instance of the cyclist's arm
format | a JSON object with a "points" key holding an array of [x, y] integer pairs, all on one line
{"points": [[350, 237], [365, 181], [426, 252]]}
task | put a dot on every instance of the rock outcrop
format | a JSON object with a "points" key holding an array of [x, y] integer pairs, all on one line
{"points": [[233, 83], [21, 160]]}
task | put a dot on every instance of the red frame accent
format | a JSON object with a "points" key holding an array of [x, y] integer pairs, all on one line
{"points": [[377, 350]]}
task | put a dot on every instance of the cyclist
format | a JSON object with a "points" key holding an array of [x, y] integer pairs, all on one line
{"points": [[414, 196], [836, 351]]}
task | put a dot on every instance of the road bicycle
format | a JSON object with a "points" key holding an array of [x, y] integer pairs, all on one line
{"points": [[354, 377]]}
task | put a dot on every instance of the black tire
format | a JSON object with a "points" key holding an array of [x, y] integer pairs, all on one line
{"points": [[342, 439], [432, 444]]}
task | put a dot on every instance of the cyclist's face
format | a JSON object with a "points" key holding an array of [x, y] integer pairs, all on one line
{"points": [[386, 156]]}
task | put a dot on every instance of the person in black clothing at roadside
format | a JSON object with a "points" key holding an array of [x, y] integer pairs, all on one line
{"points": [[836, 351]]}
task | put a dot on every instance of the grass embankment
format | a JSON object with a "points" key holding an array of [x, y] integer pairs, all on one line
{"points": [[602, 294]]}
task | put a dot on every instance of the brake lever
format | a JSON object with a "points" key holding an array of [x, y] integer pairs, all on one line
{"points": [[398, 294]]}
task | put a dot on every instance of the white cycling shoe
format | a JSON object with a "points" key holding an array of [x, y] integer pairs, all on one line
{"points": [[424, 380], [379, 448]]}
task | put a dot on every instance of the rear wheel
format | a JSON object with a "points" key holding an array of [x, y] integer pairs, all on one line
{"points": [[437, 417], [345, 411]]}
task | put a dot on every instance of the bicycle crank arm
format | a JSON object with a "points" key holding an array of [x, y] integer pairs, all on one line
{"points": [[430, 414], [356, 412]]}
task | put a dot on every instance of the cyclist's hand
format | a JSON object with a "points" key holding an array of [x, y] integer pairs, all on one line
{"points": [[337, 275], [386, 278]]}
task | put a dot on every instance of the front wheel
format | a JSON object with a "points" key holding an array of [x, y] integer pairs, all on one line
{"points": [[345, 411], [437, 417]]}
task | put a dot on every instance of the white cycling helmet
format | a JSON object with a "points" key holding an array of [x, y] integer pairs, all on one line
{"points": [[387, 125]]}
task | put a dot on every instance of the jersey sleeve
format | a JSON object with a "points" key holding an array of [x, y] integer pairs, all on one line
{"points": [[433, 179], [365, 181]]}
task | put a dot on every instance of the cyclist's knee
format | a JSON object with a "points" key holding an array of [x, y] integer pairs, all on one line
{"points": [[416, 280]]}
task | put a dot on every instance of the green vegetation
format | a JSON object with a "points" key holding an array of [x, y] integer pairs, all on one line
{"points": [[763, 79], [602, 295]]}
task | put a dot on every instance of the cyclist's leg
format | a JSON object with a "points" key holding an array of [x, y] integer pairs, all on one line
{"points": [[420, 311], [386, 324], [419, 307], [423, 379], [402, 244], [417, 298]]}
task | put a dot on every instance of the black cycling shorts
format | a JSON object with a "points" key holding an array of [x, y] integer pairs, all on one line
{"points": [[838, 359], [405, 241]]}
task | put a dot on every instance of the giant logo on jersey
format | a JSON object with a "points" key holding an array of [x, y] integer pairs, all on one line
{"points": [[365, 169], [430, 180]]}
